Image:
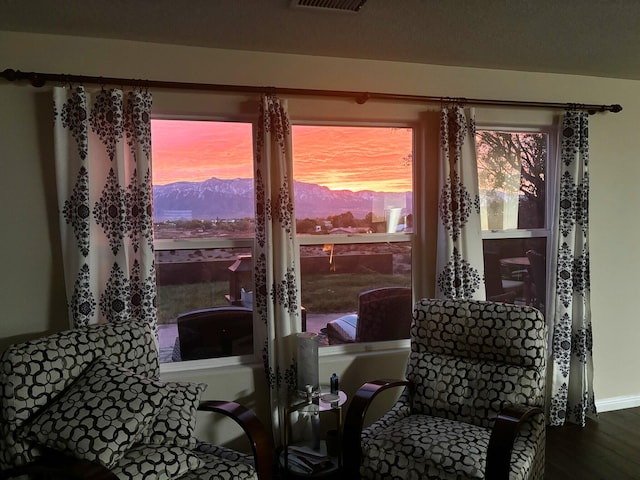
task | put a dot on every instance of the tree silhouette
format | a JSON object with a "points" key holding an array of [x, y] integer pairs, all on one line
{"points": [[506, 159], [306, 225], [345, 219]]}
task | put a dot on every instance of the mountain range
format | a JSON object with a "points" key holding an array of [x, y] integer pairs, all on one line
{"points": [[229, 199]]}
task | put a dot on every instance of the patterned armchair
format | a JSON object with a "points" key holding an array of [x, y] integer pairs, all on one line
{"points": [[86, 403], [472, 402]]}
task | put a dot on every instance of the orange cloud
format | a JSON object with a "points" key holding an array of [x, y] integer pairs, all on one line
{"points": [[351, 158]]}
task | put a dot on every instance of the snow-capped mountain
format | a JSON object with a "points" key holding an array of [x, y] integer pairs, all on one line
{"points": [[216, 198]]}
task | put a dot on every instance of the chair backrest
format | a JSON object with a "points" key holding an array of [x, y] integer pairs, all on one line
{"points": [[34, 372], [384, 314], [537, 266], [492, 275], [470, 357], [215, 332]]}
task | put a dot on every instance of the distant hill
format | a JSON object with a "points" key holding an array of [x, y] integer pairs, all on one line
{"points": [[216, 198]]}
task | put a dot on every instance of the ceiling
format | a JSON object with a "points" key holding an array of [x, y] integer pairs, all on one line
{"points": [[586, 37]]}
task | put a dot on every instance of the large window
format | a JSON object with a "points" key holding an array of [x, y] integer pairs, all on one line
{"points": [[203, 210], [354, 207], [513, 169], [354, 210], [353, 198]]}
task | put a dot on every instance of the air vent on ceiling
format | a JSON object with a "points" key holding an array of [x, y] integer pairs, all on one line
{"points": [[341, 5]]}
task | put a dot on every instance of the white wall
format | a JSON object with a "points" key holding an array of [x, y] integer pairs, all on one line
{"points": [[31, 278]]}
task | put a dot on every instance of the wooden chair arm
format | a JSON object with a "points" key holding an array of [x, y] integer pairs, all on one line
{"points": [[503, 435], [254, 429], [354, 421]]}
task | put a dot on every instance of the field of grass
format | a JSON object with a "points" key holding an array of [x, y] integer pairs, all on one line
{"points": [[321, 293], [176, 299], [339, 292]]}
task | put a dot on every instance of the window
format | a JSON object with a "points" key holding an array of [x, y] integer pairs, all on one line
{"points": [[354, 189], [513, 168], [203, 210], [354, 210]]}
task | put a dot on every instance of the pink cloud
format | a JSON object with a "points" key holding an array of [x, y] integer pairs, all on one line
{"points": [[353, 158]]}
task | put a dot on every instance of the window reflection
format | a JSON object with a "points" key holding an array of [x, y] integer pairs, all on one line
{"points": [[192, 280], [334, 276], [511, 174], [354, 182], [515, 271]]}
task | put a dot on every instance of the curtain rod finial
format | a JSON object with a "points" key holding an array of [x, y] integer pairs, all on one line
{"points": [[37, 80], [615, 108], [10, 74], [362, 98]]}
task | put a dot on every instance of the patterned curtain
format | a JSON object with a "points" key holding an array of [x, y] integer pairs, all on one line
{"points": [[277, 276], [103, 173], [572, 397], [460, 264]]}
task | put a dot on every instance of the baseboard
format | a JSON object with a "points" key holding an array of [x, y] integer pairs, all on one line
{"points": [[618, 403]]}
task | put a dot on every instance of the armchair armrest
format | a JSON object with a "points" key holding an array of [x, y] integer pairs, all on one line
{"points": [[53, 465], [503, 435], [354, 420], [252, 427]]}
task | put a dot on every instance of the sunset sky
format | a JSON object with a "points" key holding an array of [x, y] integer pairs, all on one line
{"points": [[352, 158]]}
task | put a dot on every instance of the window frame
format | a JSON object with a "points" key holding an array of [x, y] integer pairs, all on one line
{"points": [[301, 239], [306, 239], [424, 121], [362, 238], [211, 243], [551, 191]]}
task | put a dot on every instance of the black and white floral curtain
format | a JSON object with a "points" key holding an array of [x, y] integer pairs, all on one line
{"points": [[460, 264], [277, 275], [103, 173], [572, 396]]}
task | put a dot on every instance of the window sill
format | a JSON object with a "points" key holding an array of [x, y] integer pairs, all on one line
{"points": [[333, 351]]}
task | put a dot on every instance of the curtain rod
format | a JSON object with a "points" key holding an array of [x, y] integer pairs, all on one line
{"points": [[40, 79]]}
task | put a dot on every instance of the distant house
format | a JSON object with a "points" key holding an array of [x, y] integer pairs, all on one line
{"points": [[324, 225], [349, 230]]}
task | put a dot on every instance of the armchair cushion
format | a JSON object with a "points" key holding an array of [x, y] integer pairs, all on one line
{"points": [[216, 467], [155, 462], [477, 390], [468, 359], [176, 421], [38, 370], [100, 415], [439, 448], [431, 446], [343, 329]]}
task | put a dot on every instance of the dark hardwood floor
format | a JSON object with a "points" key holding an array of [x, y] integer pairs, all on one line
{"points": [[608, 448]]}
